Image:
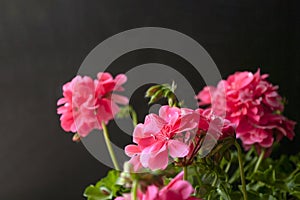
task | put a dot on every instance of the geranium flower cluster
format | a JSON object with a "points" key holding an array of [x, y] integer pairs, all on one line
{"points": [[86, 103], [176, 133], [253, 104], [177, 189]]}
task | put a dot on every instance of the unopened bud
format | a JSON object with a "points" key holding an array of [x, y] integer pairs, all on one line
{"points": [[158, 95], [152, 90], [76, 137]]}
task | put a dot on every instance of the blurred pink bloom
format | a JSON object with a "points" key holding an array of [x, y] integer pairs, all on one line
{"points": [[221, 128], [156, 139], [87, 102], [253, 104], [210, 127], [177, 189]]}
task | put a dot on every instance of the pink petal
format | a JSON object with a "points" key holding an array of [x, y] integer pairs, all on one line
{"points": [[61, 101], [104, 76], [177, 149], [153, 124], [268, 142], [132, 150], [159, 161], [151, 193], [178, 177], [138, 133], [184, 188], [169, 114], [119, 99], [205, 95], [155, 156], [120, 79], [146, 141], [187, 122], [244, 126]]}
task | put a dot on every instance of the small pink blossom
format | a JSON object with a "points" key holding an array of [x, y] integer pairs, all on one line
{"points": [[87, 102], [177, 189], [156, 139], [253, 104]]}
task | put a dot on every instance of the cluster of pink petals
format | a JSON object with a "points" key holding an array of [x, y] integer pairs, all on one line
{"points": [[87, 102], [177, 189], [160, 137], [219, 127], [213, 128], [253, 104]]}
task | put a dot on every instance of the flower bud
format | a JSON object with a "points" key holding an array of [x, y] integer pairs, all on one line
{"points": [[76, 137], [152, 90], [158, 95]]}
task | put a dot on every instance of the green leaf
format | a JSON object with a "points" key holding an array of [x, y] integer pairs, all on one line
{"points": [[268, 176], [106, 188], [294, 184], [95, 193]]}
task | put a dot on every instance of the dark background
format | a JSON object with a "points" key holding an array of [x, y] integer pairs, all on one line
{"points": [[42, 44]]}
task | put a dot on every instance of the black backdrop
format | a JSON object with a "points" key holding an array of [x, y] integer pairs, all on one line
{"points": [[42, 44]]}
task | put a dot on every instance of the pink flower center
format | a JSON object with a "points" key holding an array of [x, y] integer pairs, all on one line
{"points": [[165, 133]]}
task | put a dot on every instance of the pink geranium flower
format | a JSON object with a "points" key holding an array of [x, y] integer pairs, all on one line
{"points": [[158, 138], [253, 104], [177, 189], [87, 102]]}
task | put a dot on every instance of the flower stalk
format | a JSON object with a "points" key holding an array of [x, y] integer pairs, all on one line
{"points": [[134, 189], [134, 117], [244, 191], [109, 147], [261, 156], [185, 173]]}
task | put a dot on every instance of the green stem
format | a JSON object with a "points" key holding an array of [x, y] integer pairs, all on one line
{"points": [[197, 175], [109, 147], [228, 167], [185, 173], [236, 144], [261, 156], [215, 180], [134, 190], [209, 196], [293, 174], [134, 117], [227, 170]]}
